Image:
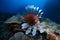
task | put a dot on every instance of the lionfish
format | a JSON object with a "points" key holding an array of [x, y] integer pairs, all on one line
{"points": [[32, 22]]}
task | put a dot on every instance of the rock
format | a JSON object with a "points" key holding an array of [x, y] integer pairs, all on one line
{"points": [[18, 36]]}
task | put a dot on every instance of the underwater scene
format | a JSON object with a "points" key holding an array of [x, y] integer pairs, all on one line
{"points": [[30, 20]]}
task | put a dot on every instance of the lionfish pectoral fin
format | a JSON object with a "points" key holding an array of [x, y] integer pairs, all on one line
{"points": [[25, 25], [34, 31], [28, 31]]}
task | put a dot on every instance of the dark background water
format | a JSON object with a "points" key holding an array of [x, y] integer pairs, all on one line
{"points": [[51, 8]]}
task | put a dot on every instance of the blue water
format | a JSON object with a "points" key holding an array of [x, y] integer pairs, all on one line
{"points": [[51, 8]]}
